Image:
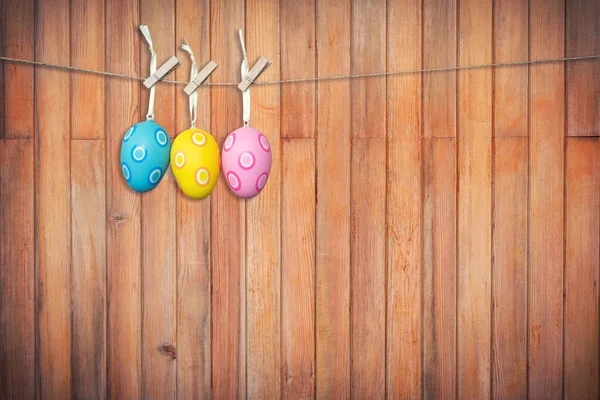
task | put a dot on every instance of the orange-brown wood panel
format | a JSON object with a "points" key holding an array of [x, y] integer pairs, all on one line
{"points": [[439, 51], [368, 294], [87, 51], [546, 200], [124, 301], [583, 77], [474, 200], [298, 268], [193, 221], [439, 268], [509, 269], [88, 284], [511, 27], [582, 265], [18, 35], [368, 43], [17, 304], [263, 214], [333, 202], [159, 279], [53, 202], [298, 60], [404, 222], [228, 244]]}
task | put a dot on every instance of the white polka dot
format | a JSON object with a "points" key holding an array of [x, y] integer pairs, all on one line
{"points": [[161, 138], [234, 181], [138, 153], [128, 134], [179, 159], [229, 142], [126, 173], [155, 175], [202, 176], [246, 160], [199, 139], [264, 142], [262, 181]]}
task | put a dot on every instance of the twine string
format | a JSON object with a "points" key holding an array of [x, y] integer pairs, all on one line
{"points": [[314, 79]]}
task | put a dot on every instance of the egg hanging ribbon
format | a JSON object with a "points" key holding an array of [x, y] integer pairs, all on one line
{"points": [[146, 146], [195, 153], [246, 151]]}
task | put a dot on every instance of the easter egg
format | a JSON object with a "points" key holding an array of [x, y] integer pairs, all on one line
{"points": [[195, 162], [145, 155], [246, 161]]}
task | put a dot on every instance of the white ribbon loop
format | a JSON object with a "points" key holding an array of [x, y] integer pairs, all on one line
{"points": [[246, 93], [146, 32], [193, 95]]}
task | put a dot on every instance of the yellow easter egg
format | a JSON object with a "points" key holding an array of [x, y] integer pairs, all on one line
{"points": [[195, 162]]}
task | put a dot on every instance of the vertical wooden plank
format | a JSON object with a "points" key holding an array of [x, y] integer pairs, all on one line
{"points": [[368, 56], [17, 318], [298, 60], [582, 266], [333, 201], [159, 280], [583, 77], [124, 378], [474, 200], [18, 36], [404, 256], [546, 200], [439, 268], [53, 200], [511, 27], [263, 214], [227, 213], [88, 216], [298, 268], [439, 51], [193, 222], [368, 268], [509, 271], [87, 51]]}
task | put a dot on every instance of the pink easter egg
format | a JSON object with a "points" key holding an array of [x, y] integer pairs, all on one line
{"points": [[246, 161]]}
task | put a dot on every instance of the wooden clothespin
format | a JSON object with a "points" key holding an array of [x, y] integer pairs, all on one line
{"points": [[200, 78], [160, 73], [261, 65]]}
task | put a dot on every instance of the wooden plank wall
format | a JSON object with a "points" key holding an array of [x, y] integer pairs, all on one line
{"points": [[430, 235]]}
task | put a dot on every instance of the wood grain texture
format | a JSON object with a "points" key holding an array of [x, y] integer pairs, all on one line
{"points": [[87, 51], [17, 302], [53, 202], [474, 200], [404, 219], [546, 200], [368, 294], [298, 60], [440, 45], [439, 268], [368, 56], [124, 285], [159, 278], [583, 78], [509, 269], [333, 201], [582, 265], [263, 214], [193, 222], [511, 27], [88, 283], [228, 245], [298, 268], [18, 35]]}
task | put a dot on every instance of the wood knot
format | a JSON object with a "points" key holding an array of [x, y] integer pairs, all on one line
{"points": [[168, 350]]}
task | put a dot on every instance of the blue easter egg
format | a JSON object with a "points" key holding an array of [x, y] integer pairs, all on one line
{"points": [[145, 152]]}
